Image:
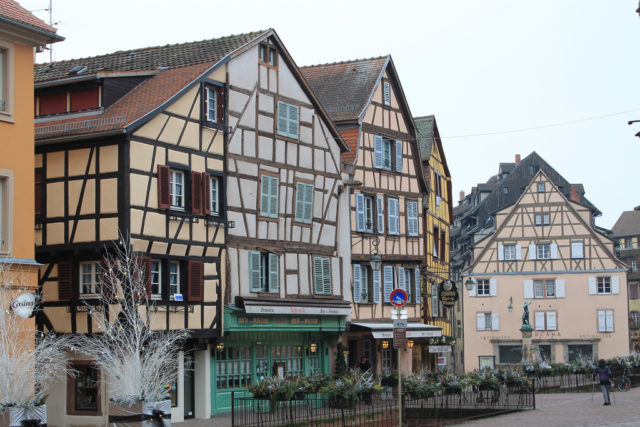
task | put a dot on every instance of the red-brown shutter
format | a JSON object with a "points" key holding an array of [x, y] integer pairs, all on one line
{"points": [[38, 192], [84, 99], [196, 270], [164, 199], [143, 266], [65, 281], [53, 104], [206, 193], [196, 192], [220, 105]]}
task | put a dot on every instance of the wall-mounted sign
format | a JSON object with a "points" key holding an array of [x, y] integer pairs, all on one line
{"points": [[439, 349], [24, 305], [448, 293]]}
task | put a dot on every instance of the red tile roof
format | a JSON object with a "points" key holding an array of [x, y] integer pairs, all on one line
{"points": [[12, 10], [350, 136]]}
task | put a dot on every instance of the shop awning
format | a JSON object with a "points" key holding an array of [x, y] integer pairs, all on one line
{"points": [[295, 306], [384, 330]]}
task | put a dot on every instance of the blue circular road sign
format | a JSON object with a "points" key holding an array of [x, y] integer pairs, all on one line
{"points": [[398, 297]]}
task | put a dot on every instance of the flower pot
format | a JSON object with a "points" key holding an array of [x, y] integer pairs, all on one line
{"points": [[124, 415], [161, 412]]}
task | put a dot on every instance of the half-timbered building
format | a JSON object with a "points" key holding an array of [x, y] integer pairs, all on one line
{"points": [[546, 251], [134, 142], [438, 218], [388, 201]]}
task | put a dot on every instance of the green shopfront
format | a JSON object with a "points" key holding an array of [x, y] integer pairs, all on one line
{"points": [[264, 339]]}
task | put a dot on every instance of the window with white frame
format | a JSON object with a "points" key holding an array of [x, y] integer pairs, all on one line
{"points": [[545, 320], [263, 272], [483, 288], [174, 279], [544, 289], [322, 275], [214, 195], [213, 104], [577, 249], [366, 284], [405, 282], [90, 273], [304, 202], [634, 266], [412, 218], [156, 279], [605, 320], [487, 321], [365, 280], [543, 219], [269, 196], [3, 79], [543, 251], [393, 216], [510, 253], [541, 187], [287, 120], [386, 93], [387, 153], [369, 213], [177, 189], [369, 216], [604, 285]]}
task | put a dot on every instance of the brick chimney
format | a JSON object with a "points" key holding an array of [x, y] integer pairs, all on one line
{"points": [[574, 196], [461, 196], [517, 159]]}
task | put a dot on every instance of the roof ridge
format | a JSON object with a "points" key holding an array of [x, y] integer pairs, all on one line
{"points": [[348, 61], [141, 49]]}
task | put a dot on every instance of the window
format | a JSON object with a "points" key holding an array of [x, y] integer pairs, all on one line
{"points": [[483, 288], [174, 280], [633, 290], [406, 282], [386, 93], [393, 214], [176, 189], [388, 281], [510, 252], [83, 389], [634, 266], [634, 318], [6, 80], [366, 284], [214, 195], [543, 251], [322, 275], [6, 211], [510, 353], [545, 320], [435, 303], [488, 321], [443, 245], [156, 281], [505, 190], [436, 241], [287, 120], [604, 285], [268, 55], [3, 79], [387, 153], [577, 249], [412, 218], [369, 213], [304, 202], [542, 219], [541, 187], [544, 289], [263, 270], [437, 185], [605, 320], [580, 351], [213, 104], [90, 275], [269, 196]]}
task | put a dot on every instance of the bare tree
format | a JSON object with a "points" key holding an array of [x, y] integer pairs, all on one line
{"points": [[138, 361]]}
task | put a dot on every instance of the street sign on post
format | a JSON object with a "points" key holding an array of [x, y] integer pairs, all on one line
{"points": [[398, 297], [400, 338]]}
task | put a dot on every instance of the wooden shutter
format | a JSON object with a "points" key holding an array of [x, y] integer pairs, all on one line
{"points": [[293, 121], [493, 287], [539, 317], [386, 89], [326, 275], [560, 292], [360, 212], [593, 288], [254, 272], [443, 245], [38, 192], [318, 278], [500, 253], [602, 321], [609, 317], [398, 156], [495, 321], [220, 105], [264, 194], [196, 193], [532, 251], [164, 198], [392, 212], [528, 289], [401, 279], [480, 321], [615, 285], [552, 321], [273, 273], [554, 250], [380, 213], [196, 278], [412, 218], [84, 99], [376, 286], [206, 193], [282, 118], [53, 104], [377, 152], [65, 280], [309, 192], [273, 196], [357, 283], [416, 273], [518, 252], [388, 282]]}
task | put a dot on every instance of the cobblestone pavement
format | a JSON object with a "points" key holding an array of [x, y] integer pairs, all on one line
{"points": [[552, 410]]}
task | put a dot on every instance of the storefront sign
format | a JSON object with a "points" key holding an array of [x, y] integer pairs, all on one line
{"points": [[280, 309], [388, 334], [24, 305], [439, 349], [448, 293], [400, 338]]}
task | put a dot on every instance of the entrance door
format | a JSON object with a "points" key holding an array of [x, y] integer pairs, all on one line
{"points": [[188, 385]]}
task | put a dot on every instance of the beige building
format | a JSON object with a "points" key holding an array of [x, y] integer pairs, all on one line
{"points": [[545, 250]]}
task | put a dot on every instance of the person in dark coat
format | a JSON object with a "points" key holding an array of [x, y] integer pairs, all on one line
{"points": [[364, 364], [604, 375]]}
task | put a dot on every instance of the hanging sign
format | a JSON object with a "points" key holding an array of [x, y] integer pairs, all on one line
{"points": [[448, 294], [24, 305]]}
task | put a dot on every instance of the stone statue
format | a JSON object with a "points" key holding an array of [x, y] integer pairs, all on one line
{"points": [[525, 315]]}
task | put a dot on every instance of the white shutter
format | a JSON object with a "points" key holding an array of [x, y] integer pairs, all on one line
{"points": [[357, 283], [359, 212], [376, 286], [377, 152], [386, 89], [283, 121], [593, 289], [388, 282], [577, 250], [495, 321], [539, 320], [480, 321], [518, 252], [528, 289], [602, 320], [500, 253], [532, 251], [326, 275], [554, 251], [552, 323], [401, 279], [472, 292], [615, 285], [493, 287], [273, 195], [273, 272], [560, 293], [609, 316], [398, 155], [392, 212], [412, 218], [293, 121], [380, 212], [254, 272], [416, 274]]}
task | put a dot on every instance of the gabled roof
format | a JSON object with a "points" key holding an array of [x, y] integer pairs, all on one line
{"points": [[344, 88], [627, 225], [11, 12]]}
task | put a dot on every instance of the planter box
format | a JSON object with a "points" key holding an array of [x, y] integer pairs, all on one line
{"points": [[13, 417], [125, 416]]}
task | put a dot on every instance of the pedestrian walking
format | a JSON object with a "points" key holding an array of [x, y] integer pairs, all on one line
{"points": [[603, 372]]}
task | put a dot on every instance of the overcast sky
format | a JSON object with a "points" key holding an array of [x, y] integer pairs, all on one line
{"points": [[565, 70]]}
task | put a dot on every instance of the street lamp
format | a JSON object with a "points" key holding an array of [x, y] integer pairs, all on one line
{"points": [[410, 344], [376, 260], [470, 283], [385, 344]]}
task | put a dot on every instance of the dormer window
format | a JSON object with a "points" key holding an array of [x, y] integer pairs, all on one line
{"points": [[268, 55], [213, 105], [68, 99]]}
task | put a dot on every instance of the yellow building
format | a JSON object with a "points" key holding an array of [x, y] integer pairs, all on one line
{"points": [[438, 217]]}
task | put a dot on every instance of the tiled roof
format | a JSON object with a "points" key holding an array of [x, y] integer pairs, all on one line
{"points": [[424, 125], [148, 58], [197, 58], [344, 88], [628, 224], [350, 136], [11, 10]]}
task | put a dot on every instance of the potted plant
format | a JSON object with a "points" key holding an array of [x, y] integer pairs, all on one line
{"points": [[450, 382], [420, 386], [345, 392], [515, 380], [485, 379]]}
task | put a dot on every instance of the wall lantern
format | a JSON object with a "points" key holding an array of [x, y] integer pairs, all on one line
{"points": [[510, 307], [385, 344], [376, 260], [410, 344], [470, 283], [220, 346], [313, 347]]}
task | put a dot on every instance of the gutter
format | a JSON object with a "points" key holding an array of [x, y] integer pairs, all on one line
{"points": [[68, 138]]}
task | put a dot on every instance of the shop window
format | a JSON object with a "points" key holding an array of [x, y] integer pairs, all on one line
{"points": [[510, 353], [580, 351], [233, 367], [83, 389]]}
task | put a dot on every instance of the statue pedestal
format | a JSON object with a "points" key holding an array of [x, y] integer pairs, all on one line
{"points": [[527, 334]]}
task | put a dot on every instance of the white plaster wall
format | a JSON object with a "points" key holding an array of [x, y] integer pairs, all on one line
{"points": [[243, 71]]}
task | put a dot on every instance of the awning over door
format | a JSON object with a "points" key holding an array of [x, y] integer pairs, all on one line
{"points": [[384, 330]]}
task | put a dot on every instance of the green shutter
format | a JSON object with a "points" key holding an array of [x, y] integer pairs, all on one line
{"points": [[322, 275], [282, 119], [273, 196], [254, 271], [273, 273], [304, 202], [293, 121]]}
